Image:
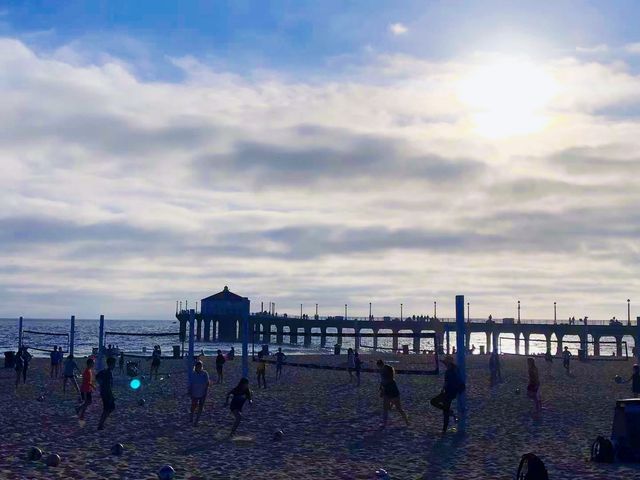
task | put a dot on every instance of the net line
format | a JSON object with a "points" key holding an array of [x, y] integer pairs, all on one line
{"points": [[46, 333], [28, 340], [314, 366], [139, 334]]}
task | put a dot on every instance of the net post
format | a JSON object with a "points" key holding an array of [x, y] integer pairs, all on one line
{"points": [[72, 334], [189, 361], [20, 332], [245, 344], [100, 342], [636, 340], [460, 354]]}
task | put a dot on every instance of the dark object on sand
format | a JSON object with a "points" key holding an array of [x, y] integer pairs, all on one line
{"points": [[531, 468], [34, 454]]}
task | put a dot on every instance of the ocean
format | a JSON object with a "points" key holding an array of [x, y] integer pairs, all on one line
{"points": [[86, 338]]}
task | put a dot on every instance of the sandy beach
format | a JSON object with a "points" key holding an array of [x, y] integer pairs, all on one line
{"points": [[330, 426]]}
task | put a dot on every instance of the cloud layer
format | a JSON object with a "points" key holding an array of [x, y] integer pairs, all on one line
{"points": [[120, 195]]}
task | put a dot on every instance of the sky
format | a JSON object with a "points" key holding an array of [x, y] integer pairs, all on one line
{"points": [[320, 152]]}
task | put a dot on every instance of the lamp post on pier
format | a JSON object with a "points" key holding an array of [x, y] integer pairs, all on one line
{"points": [[468, 316], [345, 311], [401, 317], [300, 310], [518, 311], [370, 316], [435, 312], [628, 312], [317, 311], [555, 317]]}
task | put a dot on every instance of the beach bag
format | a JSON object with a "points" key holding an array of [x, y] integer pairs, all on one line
{"points": [[531, 468], [602, 450]]}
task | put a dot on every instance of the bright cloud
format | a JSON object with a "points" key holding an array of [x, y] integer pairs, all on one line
{"points": [[120, 195], [398, 29]]}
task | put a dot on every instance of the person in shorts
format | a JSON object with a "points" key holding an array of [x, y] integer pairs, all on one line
{"points": [[239, 395], [390, 395], [280, 358], [86, 388], [105, 379], [198, 389], [220, 360], [68, 374]]}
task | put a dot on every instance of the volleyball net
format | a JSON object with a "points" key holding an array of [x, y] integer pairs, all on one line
{"points": [[45, 341], [110, 337], [425, 363], [608, 349]]}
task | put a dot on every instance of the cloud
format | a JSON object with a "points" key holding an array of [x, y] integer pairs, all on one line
{"points": [[595, 49], [398, 28], [123, 193], [632, 48]]}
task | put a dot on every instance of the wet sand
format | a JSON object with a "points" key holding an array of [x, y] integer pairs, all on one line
{"points": [[330, 426]]}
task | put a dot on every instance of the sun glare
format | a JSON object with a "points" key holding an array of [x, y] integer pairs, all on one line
{"points": [[508, 98]]}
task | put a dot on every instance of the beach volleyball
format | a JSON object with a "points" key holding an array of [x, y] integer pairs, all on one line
{"points": [[53, 460], [617, 379], [40, 398], [34, 453], [117, 449], [382, 474], [166, 473], [278, 435], [141, 402], [517, 391]]}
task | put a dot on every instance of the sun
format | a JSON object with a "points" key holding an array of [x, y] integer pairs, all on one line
{"points": [[508, 98]]}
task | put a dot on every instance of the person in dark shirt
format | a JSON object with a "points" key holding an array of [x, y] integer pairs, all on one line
{"points": [[635, 381], [26, 358], [452, 387], [54, 361], [121, 363], [357, 366], [280, 358], [155, 362], [566, 359], [19, 365], [390, 395], [494, 369], [220, 365], [239, 395], [105, 379]]}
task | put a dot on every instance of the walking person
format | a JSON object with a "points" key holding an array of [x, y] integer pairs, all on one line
{"points": [[68, 373], [198, 389], [351, 364], [566, 360], [19, 366], [86, 388], [357, 367], [220, 360], [105, 379], [121, 363], [26, 359], [390, 396], [280, 358], [155, 362], [533, 388], [261, 371], [494, 369], [54, 360], [453, 386], [239, 395]]}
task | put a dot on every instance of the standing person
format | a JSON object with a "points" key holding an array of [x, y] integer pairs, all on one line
{"points": [[232, 353], [121, 363], [453, 386], [494, 369], [19, 366], [26, 358], [198, 389], [280, 358], [380, 367], [60, 361], [54, 360], [635, 381], [566, 359], [220, 360], [262, 370], [239, 395], [155, 362], [390, 395], [351, 364], [105, 379], [533, 388], [68, 374], [358, 366], [86, 388]]}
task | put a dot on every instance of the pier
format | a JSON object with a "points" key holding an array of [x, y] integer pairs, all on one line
{"points": [[220, 319]]}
